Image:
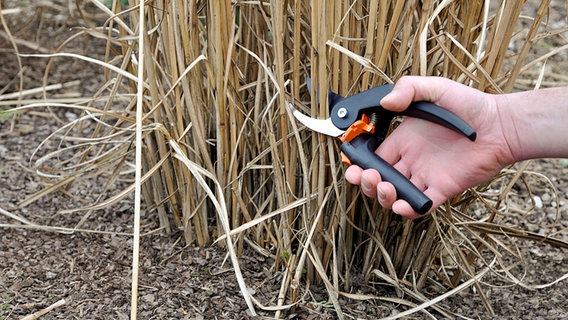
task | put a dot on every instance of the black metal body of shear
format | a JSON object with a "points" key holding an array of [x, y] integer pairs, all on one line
{"points": [[362, 125]]}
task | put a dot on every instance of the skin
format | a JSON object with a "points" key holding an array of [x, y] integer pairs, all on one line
{"points": [[442, 163]]}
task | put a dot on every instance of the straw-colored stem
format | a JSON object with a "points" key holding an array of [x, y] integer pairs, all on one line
{"points": [[215, 83]]}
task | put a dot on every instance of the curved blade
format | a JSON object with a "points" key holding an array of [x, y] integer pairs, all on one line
{"points": [[322, 126]]}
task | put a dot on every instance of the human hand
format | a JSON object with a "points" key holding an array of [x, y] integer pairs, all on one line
{"points": [[440, 162]]}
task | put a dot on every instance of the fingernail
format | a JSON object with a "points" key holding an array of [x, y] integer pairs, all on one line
{"points": [[381, 194]]}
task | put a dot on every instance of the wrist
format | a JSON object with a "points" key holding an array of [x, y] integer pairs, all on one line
{"points": [[534, 123], [509, 121]]}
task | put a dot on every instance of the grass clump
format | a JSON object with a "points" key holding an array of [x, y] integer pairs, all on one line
{"points": [[224, 160]]}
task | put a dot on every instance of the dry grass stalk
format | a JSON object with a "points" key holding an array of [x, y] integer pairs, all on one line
{"points": [[45, 311], [217, 79]]}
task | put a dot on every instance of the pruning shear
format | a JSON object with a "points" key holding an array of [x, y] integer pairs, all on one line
{"points": [[361, 123]]}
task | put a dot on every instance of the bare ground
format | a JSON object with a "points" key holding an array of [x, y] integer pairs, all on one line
{"points": [[91, 271]]}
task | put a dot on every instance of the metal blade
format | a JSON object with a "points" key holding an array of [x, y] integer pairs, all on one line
{"points": [[322, 126]]}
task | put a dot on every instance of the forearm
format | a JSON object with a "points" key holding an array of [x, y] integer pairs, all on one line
{"points": [[535, 123]]}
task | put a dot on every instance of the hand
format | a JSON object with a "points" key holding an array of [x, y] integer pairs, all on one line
{"points": [[440, 162]]}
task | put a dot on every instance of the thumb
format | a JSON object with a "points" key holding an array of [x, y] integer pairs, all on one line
{"points": [[414, 88], [398, 99]]}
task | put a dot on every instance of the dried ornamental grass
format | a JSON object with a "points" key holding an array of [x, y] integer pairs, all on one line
{"points": [[200, 99]]}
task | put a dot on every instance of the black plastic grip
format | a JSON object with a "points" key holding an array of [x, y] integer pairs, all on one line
{"points": [[436, 114], [361, 151]]}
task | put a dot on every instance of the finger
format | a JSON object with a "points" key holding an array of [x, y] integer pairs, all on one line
{"points": [[353, 174], [386, 194], [403, 169], [399, 98], [404, 209], [369, 180], [418, 179], [412, 88]]}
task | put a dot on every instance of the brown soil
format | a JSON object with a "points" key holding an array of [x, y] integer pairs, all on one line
{"points": [[92, 270]]}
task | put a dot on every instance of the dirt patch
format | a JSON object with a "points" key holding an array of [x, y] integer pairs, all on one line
{"points": [[92, 270]]}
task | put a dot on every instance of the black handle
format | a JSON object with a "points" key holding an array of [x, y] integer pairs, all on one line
{"points": [[436, 114], [361, 151]]}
